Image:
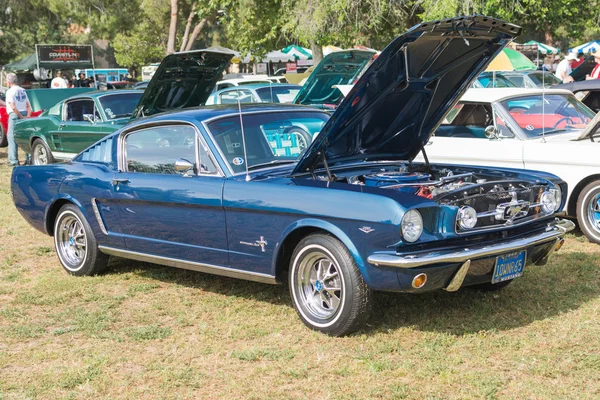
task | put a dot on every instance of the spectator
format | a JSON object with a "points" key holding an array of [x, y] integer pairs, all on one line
{"points": [[82, 81], [547, 66], [596, 71], [91, 82], [58, 82], [564, 69], [17, 107], [576, 64]]}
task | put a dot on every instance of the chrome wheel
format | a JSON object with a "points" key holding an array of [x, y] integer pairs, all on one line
{"points": [[319, 285], [71, 241], [593, 212], [40, 155]]}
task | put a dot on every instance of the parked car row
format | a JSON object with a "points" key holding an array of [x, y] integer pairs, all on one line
{"points": [[332, 198]]}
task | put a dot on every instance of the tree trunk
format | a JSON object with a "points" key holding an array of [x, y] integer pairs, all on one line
{"points": [[548, 35], [197, 29], [317, 52], [172, 28], [187, 29]]}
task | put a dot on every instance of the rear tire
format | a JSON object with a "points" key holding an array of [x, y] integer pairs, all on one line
{"points": [[3, 137], [40, 153], [326, 286], [588, 211], [75, 243]]}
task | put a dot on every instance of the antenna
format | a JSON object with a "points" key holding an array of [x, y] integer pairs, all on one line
{"points": [[243, 139]]}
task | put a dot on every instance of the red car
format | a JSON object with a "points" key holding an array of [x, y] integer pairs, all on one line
{"points": [[40, 99]]}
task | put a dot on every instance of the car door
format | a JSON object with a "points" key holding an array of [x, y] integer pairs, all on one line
{"points": [[165, 212], [81, 126], [461, 139]]}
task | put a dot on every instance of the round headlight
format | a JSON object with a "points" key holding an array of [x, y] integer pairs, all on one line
{"points": [[467, 217], [548, 202], [557, 196], [412, 226]]}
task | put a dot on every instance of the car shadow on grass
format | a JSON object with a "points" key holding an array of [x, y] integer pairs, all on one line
{"points": [[565, 283]]}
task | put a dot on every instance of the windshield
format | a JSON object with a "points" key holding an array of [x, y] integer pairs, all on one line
{"points": [[119, 105], [494, 80], [551, 113], [278, 94], [271, 137], [544, 79]]}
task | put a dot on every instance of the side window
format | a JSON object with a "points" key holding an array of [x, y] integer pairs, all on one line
{"points": [[207, 166], [155, 150], [77, 108]]}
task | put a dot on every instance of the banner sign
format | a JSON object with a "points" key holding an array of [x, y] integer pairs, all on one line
{"points": [[56, 56], [291, 68]]}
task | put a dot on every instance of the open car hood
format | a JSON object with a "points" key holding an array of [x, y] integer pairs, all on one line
{"points": [[405, 94], [182, 80], [338, 68]]}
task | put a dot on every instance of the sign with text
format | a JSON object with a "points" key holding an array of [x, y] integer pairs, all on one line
{"points": [[66, 56], [291, 68], [261, 68]]}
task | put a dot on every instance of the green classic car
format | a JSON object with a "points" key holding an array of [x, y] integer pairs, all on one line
{"points": [[70, 126], [60, 133]]}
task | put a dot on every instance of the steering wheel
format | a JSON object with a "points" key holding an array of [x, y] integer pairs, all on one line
{"points": [[568, 120]]}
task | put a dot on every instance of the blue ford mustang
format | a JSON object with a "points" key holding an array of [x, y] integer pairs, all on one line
{"points": [[206, 189]]}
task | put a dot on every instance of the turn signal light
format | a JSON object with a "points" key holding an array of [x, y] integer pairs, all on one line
{"points": [[419, 281], [559, 244]]}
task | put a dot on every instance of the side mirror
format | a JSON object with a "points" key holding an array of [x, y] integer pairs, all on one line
{"points": [[491, 132], [184, 167], [89, 118]]}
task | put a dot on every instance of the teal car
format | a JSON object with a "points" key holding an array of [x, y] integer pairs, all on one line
{"points": [[182, 80]]}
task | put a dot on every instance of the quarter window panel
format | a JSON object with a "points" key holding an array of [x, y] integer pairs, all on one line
{"points": [[155, 150]]}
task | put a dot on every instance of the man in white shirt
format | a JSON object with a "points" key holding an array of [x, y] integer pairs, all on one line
{"points": [[17, 107], [563, 70], [58, 82]]}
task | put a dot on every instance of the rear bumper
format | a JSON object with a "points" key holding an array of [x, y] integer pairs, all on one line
{"points": [[554, 230]]}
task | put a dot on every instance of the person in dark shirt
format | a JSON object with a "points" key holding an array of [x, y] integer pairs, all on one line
{"points": [[82, 81]]}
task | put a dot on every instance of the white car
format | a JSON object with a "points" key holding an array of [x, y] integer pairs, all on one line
{"points": [[226, 83], [547, 130]]}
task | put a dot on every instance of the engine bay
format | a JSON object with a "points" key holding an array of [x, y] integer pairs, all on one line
{"points": [[447, 185]]}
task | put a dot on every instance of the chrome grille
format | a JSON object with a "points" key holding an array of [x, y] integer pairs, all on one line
{"points": [[503, 206]]}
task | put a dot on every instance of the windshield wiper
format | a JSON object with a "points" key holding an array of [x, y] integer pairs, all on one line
{"points": [[274, 162], [553, 131]]}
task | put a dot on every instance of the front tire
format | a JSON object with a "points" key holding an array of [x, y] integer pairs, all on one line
{"points": [[326, 286], [588, 211], [75, 243], [40, 153], [3, 137]]}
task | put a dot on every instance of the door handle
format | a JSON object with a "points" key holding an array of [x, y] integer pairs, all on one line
{"points": [[60, 126], [117, 181]]}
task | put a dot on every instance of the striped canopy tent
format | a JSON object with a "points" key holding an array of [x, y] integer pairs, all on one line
{"points": [[586, 47], [279, 56], [299, 52], [539, 47], [511, 60]]}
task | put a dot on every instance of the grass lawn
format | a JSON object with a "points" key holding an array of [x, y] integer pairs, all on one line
{"points": [[143, 331]]}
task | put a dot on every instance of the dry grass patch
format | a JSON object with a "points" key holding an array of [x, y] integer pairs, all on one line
{"points": [[151, 332]]}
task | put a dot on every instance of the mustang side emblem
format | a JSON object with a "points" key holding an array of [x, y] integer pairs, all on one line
{"points": [[258, 243], [366, 229]]}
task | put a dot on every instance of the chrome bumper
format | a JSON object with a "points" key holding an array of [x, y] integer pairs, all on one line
{"points": [[554, 230]]}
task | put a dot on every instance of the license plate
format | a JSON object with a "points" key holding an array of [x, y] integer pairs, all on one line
{"points": [[509, 266]]}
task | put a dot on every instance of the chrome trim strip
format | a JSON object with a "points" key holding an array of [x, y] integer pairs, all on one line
{"points": [[459, 277], [99, 217], [194, 266], [489, 228], [554, 230], [63, 156]]}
